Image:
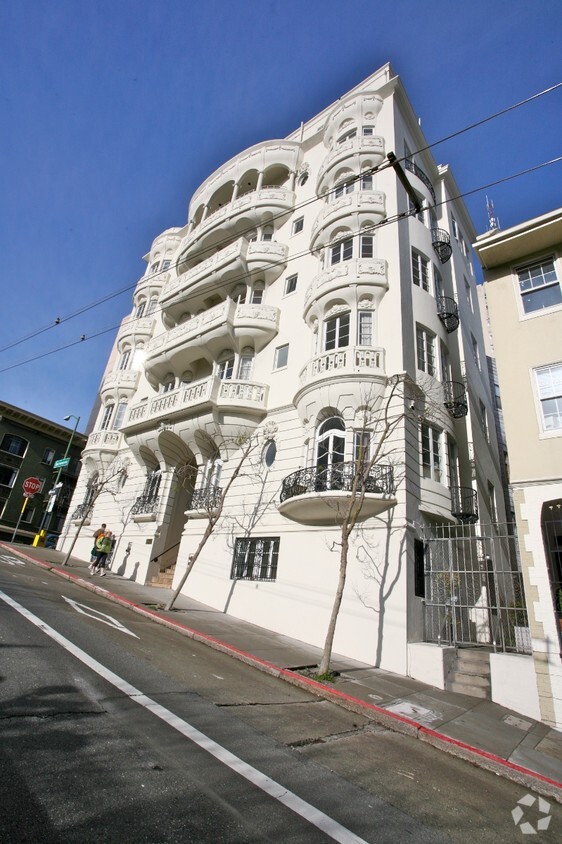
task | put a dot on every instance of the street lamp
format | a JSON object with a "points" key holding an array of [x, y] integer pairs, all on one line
{"points": [[53, 493]]}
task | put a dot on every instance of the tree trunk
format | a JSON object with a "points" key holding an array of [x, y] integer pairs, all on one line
{"points": [[324, 666]]}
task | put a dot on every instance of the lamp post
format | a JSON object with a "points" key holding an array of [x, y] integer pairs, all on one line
{"points": [[57, 485]]}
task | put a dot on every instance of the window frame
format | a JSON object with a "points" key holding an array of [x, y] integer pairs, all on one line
{"points": [[420, 270], [298, 225], [555, 394], [426, 360], [289, 284], [48, 461], [431, 446], [341, 324], [10, 450], [526, 296], [277, 364], [341, 251], [245, 562], [14, 472]]}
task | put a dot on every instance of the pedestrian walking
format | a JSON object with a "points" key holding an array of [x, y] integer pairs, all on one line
{"points": [[103, 545], [98, 532]]}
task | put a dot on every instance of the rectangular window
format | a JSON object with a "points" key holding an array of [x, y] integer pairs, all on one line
{"points": [[14, 445], [256, 297], [124, 360], [475, 350], [430, 452], [367, 246], [344, 188], [120, 415], [549, 386], [368, 131], [255, 559], [452, 463], [106, 418], [468, 293], [298, 225], [362, 446], [365, 328], [420, 270], [492, 503], [245, 366], [484, 419], [455, 228], [7, 476], [539, 286], [437, 284], [336, 332], [48, 456], [281, 357], [367, 181], [445, 362], [225, 369], [28, 514], [165, 264], [425, 342], [342, 251], [291, 284]]}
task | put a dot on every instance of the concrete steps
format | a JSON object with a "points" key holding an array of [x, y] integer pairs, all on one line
{"points": [[469, 673], [164, 579]]}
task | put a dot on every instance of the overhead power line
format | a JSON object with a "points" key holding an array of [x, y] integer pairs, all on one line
{"points": [[305, 203]]}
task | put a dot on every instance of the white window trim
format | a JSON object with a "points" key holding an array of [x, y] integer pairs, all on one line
{"points": [[544, 434], [523, 315]]}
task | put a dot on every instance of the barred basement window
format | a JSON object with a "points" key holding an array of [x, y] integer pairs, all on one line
{"points": [[255, 559]]}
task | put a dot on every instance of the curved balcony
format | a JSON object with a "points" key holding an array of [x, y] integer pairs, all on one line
{"points": [[255, 207], [366, 203], [123, 382], [368, 275], [135, 329], [247, 397], [323, 495], [455, 399], [412, 167], [244, 325], [152, 284], [360, 148], [464, 504], [441, 241], [448, 313], [104, 441]]}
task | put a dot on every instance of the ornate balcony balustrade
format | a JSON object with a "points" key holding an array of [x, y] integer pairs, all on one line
{"points": [[448, 313], [104, 440], [340, 362], [369, 202], [135, 329], [145, 505], [120, 381], [455, 398], [318, 495], [412, 167], [464, 504], [365, 272], [441, 241], [230, 257], [206, 500], [369, 146]]}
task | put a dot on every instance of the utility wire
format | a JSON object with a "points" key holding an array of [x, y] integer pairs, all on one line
{"points": [[395, 219], [303, 204]]}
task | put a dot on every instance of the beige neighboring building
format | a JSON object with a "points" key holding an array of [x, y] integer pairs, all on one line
{"points": [[523, 273]]}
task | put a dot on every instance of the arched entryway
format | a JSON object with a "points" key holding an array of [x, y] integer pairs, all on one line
{"points": [[330, 453], [551, 523]]}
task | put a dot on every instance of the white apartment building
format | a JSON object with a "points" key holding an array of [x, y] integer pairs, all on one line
{"points": [[303, 286], [522, 273]]}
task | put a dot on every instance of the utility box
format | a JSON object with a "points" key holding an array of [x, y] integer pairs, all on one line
{"points": [[40, 539]]}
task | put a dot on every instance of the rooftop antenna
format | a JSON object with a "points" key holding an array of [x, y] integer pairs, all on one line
{"points": [[493, 222]]}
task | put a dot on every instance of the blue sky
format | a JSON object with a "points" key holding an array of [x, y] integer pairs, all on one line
{"points": [[113, 113]]}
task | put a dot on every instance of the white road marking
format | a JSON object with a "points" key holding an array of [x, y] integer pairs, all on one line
{"points": [[11, 561], [84, 609], [314, 816]]}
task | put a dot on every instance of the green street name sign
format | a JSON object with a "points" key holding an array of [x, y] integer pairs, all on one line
{"points": [[60, 464]]}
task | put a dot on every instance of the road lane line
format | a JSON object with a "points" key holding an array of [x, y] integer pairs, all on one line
{"points": [[314, 816], [97, 615]]}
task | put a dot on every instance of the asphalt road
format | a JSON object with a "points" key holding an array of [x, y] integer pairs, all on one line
{"points": [[116, 729]]}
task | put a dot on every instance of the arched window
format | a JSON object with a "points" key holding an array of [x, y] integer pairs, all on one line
{"points": [[124, 359], [245, 364], [140, 309], [330, 453], [107, 416], [225, 365]]}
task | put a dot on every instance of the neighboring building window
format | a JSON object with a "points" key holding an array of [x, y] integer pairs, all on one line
{"points": [[336, 332], [342, 251], [124, 360], [120, 415], [425, 342], [7, 476], [14, 445], [298, 225], [539, 286], [28, 514], [255, 559], [475, 350], [291, 284], [484, 419], [420, 270], [365, 328], [367, 246], [106, 418], [48, 456], [431, 452], [281, 357], [492, 503], [549, 384]]}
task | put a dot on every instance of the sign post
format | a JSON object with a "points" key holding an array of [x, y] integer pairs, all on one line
{"points": [[30, 487]]}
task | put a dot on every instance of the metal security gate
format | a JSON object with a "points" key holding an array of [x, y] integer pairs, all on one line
{"points": [[474, 589]]}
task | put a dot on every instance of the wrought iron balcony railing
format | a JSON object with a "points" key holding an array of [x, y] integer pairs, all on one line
{"points": [[145, 504], [81, 511], [411, 165], [455, 399], [206, 499], [441, 241], [339, 478], [448, 313], [464, 504]]}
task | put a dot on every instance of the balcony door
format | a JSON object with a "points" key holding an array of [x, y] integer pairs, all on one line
{"points": [[330, 453]]}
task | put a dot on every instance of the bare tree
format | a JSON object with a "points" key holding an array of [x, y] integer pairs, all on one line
{"points": [[214, 505], [380, 421]]}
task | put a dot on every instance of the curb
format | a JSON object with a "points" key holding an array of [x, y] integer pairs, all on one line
{"points": [[397, 723]]}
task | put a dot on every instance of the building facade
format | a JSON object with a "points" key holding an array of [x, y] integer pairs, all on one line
{"points": [[523, 272], [29, 448], [313, 294]]}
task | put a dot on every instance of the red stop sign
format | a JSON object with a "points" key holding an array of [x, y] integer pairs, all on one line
{"points": [[31, 486]]}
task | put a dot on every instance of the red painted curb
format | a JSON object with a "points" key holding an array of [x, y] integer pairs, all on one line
{"points": [[399, 723]]}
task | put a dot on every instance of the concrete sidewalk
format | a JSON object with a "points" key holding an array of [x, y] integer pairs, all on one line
{"points": [[526, 751]]}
